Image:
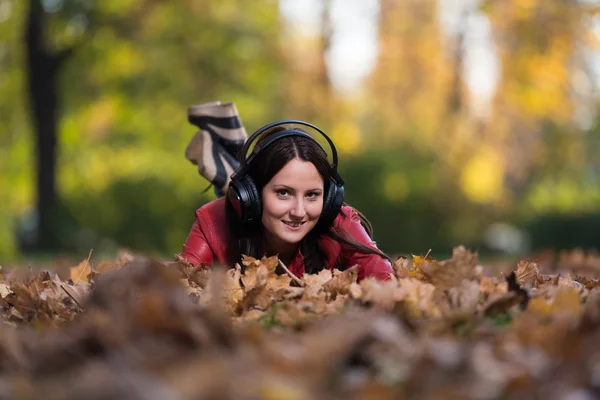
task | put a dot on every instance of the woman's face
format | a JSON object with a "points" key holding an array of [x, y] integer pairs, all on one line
{"points": [[292, 204]]}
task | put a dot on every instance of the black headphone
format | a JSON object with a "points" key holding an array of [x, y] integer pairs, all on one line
{"points": [[245, 198]]}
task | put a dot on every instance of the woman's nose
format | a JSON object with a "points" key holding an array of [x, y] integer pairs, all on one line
{"points": [[298, 210]]}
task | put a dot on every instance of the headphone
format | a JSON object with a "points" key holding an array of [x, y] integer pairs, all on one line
{"points": [[243, 194]]}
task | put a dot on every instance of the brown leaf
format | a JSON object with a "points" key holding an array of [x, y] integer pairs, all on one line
{"points": [[382, 294], [105, 266], [591, 311], [500, 303], [234, 293], [314, 282], [419, 297], [258, 297], [271, 263], [402, 267], [255, 275], [528, 272], [279, 282], [589, 283], [488, 286], [461, 299], [448, 273], [341, 281]]}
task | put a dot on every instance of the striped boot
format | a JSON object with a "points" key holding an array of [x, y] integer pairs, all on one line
{"points": [[215, 146]]}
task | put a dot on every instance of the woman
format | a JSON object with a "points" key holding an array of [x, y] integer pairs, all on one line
{"points": [[285, 199]]}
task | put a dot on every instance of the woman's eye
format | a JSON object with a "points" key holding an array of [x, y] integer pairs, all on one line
{"points": [[312, 195], [282, 192]]}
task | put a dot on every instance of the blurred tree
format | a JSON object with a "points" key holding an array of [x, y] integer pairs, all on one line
{"points": [[415, 105], [309, 93], [115, 109], [44, 64], [535, 125], [410, 86]]}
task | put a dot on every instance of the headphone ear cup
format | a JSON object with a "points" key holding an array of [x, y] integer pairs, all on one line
{"points": [[245, 199], [254, 206], [332, 203]]}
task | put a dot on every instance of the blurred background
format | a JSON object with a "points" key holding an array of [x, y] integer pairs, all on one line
{"points": [[457, 121]]}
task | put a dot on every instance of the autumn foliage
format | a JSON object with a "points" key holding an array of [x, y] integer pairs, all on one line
{"points": [[139, 328]]}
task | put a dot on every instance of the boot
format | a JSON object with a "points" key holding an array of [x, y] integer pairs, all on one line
{"points": [[214, 148]]}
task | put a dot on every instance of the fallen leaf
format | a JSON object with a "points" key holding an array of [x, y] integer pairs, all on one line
{"points": [[341, 281], [81, 272], [528, 272], [384, 294], [234, 293], [4, 290], [314, 282], [448, 273], [462, 299], [419, 297]]}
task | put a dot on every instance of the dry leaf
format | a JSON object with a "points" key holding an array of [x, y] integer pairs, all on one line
{"points": [[527, 271], [444, 274], [4, 290], [81, 272], [500, 303], [419, 297], [341, 281], [382, 294], [314, 283], [183, 332], [489, 287], [461, 299], [234, 293]]}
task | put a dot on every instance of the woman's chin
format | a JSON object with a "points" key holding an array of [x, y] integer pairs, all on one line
{"points": [[291, 237]]}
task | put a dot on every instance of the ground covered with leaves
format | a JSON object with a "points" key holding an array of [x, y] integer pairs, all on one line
{"points": [[142, 329]]}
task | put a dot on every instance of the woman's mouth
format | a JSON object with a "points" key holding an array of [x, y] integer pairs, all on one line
{"points": [[293, 225]]}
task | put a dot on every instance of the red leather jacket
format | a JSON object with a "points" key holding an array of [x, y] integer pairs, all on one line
{"points": [[207, 243]]}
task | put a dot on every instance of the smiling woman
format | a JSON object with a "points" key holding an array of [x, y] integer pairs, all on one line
{"points": [[286, 199]]}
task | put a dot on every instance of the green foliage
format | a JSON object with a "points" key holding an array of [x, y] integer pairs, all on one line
{"points": [[125, 91], [269, 320], [502, 319], [138, 64]]}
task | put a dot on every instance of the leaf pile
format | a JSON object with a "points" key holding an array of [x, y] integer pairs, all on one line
{"points": [[141, 329]]}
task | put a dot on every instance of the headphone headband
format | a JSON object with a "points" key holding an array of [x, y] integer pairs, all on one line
{"points": [[245, 159]]}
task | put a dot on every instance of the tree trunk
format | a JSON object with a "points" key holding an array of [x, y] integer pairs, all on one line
{"points": [[42, 71]]}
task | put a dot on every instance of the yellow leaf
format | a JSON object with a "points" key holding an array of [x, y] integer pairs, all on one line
{"points": [[418, 260], [81, 272], [567, 301]]}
